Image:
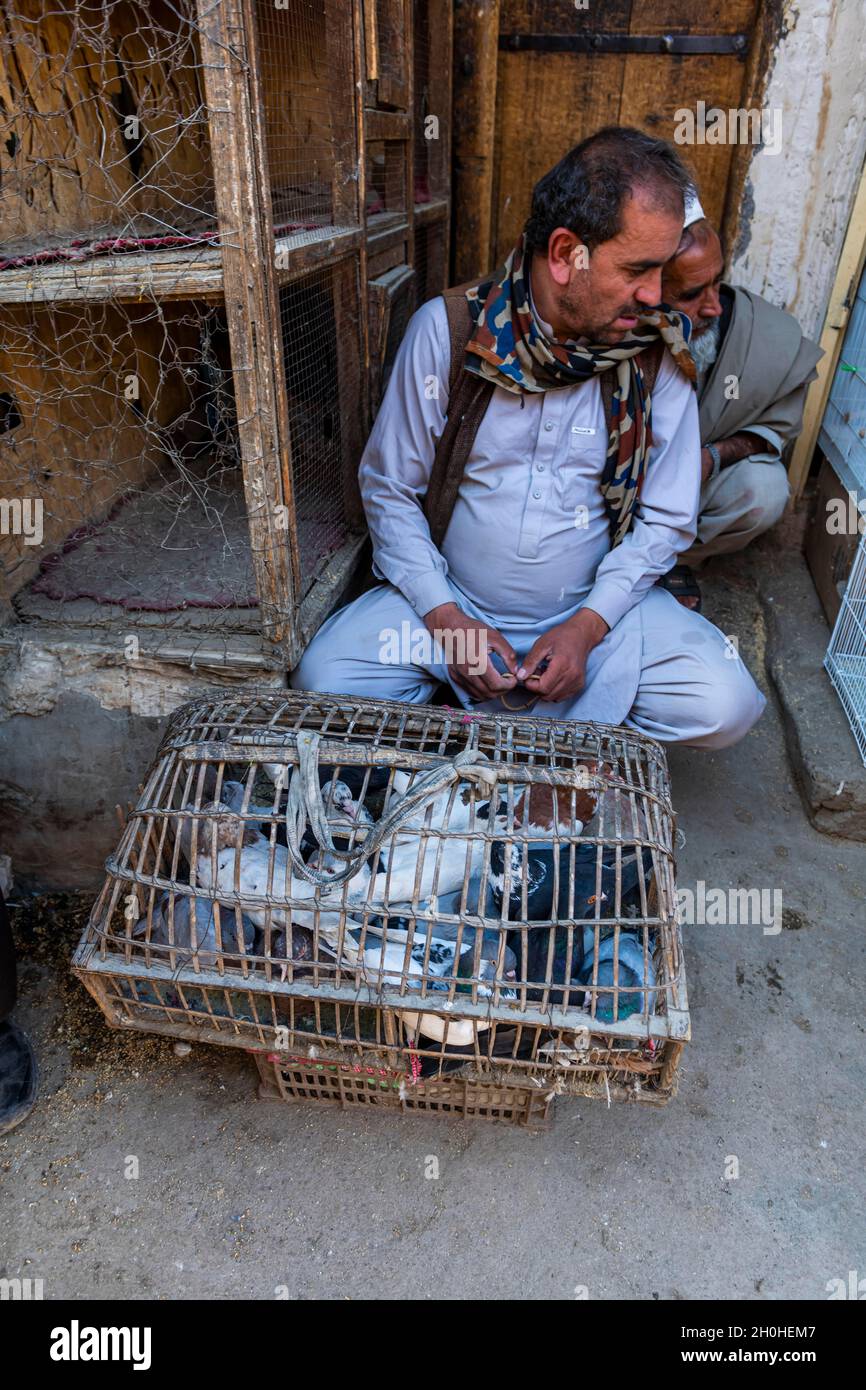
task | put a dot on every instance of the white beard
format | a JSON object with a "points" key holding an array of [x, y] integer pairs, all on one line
{"points": [[704, 348]]}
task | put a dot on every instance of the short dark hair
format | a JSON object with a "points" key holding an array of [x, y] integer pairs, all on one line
{"points": [[586, 190]]}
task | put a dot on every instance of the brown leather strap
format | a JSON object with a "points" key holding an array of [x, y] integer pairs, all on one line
{"points": [[468, 399]]}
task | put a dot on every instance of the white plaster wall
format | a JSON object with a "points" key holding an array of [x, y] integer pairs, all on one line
{"points": [[797, 203], [35, 674]]}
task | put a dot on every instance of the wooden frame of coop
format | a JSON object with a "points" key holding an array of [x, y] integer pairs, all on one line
{"points": [[351, 992], [286, 179]]}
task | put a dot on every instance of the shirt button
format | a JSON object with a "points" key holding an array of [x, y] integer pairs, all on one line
{"points": [[549, 425], [540, 467], [536, 493]]}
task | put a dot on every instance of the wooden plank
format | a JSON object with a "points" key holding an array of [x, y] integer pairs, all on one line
{"points": [[233, 655], [163, 275], [330, 588], [578, 94], [345, 291], [340, 43], [379, 264], [167, 275], [386, 231], [382, 292], [427, 213], [563, 17], [684, 17], [360, 10], [385, 125], [234, 104], [440, 31], [476, 53], [652, 93], [297, 255], [371, 40], [394, 27], [851, 264]]}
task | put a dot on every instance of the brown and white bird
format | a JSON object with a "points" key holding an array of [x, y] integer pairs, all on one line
{"points": [[541, 810]]}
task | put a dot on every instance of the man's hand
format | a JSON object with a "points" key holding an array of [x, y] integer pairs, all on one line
{"points": [[565, 648], [468, 644]]}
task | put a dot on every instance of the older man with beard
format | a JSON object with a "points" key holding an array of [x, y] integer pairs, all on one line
{"points": [[535, 468], [753, 369]]}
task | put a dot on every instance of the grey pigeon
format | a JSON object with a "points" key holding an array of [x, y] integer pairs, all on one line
{"points": [[205, 927]]}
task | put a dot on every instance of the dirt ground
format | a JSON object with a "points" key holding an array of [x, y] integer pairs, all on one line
{"points": [[237, 1198]]}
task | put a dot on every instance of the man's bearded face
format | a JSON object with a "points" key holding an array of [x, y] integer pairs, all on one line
{"points": [[691, 283], [603, 303]]}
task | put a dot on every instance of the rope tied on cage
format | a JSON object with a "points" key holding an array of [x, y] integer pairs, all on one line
{"points": [[305, 806]]}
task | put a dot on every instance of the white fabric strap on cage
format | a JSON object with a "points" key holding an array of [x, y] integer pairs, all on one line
{"points": [[306, 805]]}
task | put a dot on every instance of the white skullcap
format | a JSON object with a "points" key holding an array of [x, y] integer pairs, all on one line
{"points": [[694, 212]]}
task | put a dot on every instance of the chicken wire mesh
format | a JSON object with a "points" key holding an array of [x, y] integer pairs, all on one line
{"points": [[305, 50], [123, 438], [843, 428], [103, 129], [845, 661], [320, 332], [402, 887], [128, 499], [431, 259], [386, 178]]}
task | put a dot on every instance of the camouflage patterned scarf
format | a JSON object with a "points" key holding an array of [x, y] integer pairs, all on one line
{"points": [[509, 347]]}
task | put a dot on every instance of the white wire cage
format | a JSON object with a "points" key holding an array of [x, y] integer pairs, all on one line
{"points": [[845, 661]]}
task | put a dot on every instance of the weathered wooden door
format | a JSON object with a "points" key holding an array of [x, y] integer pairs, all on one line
{"points": [[535, 77]]}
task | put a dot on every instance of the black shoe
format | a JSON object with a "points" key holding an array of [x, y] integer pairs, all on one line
{"points": [[18, 1076], [681, 582]]}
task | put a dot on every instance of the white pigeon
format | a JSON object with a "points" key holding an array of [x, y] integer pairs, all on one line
{"points": [[245, 848], [387, 961], [444, 862], [452, 813], [341, 805], [443, 812]]}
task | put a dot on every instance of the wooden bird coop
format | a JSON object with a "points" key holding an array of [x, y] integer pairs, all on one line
{"points": [[216, 219]]}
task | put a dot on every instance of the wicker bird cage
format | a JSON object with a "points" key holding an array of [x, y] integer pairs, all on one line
{"points": [[375, 897]]}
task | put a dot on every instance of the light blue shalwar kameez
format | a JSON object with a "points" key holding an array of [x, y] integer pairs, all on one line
{"points": [[528, 545]]}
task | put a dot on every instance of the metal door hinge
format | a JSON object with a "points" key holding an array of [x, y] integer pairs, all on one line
{"points": [[679, 44]]}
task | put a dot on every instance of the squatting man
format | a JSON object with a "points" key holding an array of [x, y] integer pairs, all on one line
{"points": [[561, 391], [754, 365]]}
